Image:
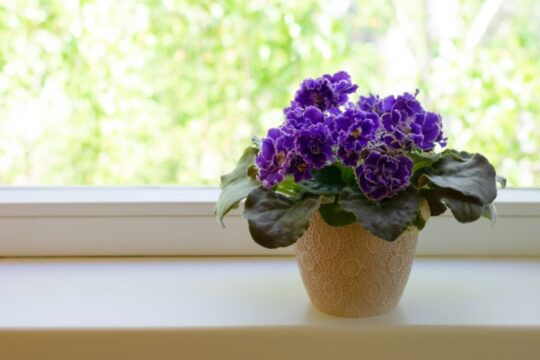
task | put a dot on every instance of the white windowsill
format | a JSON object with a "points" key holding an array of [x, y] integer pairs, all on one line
{"points": [[170, 221], [256, 308], [169, 200]]}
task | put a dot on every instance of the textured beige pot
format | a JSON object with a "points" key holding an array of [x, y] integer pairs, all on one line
{"points": [[349, 272]]}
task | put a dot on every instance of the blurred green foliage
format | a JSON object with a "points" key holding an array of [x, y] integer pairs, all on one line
{"points": [[129, 92]]}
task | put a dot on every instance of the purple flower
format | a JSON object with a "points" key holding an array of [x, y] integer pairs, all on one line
{"points": [[382, 176], [426, 131], [406, 125], [325, 92], [315, 144], [396, 127], [342, 86], [298, 167], [354, 129], [273, 157], [406, 102], [278, 156], [299, 117], [368, 103]]}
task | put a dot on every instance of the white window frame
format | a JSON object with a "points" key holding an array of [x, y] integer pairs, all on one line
{"points": [[171, 221]]}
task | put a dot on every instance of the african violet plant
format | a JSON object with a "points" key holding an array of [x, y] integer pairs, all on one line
{"points": [[372, 161]]}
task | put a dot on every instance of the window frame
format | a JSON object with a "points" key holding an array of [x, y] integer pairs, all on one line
{"points": [[173, 221]]}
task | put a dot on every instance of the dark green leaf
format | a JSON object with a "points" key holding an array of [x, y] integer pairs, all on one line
{"points": [[334, 215], [472, 177], [387, 219], [347, 175], [276, 220], [326, 181], [464, 208], [236, 185], [436, 206], [457, 155]]}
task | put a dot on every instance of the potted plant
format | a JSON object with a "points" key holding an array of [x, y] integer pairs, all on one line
{"points": [[352, 183]]}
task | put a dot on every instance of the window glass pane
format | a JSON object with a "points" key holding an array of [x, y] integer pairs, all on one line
{"points": [[168, 92]]}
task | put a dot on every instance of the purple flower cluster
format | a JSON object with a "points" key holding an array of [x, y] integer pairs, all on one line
{"points": [[296, 148], [382, 176], [354, 130], [407, 125], [372, 135], [327, 92]]}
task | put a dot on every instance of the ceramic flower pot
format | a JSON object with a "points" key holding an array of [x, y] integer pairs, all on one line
{"points": [[349, 272]]}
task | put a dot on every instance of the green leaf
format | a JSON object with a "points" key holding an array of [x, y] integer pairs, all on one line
{"points": [[502, 181], [347, 174], [464, 208], [436, 206], [236, 185], [387, 219], [473, 176], [334, 215], [290, 188], [423, 159], [276, 220], [457, 155], [326, 181], [256, 141], [490, 213], [422, 215]]}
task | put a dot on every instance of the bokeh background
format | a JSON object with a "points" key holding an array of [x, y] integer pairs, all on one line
{"points": [[133, 92]]}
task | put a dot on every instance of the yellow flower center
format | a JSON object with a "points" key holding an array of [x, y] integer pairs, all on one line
{"points": [[356, 133], [281, 157]]}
